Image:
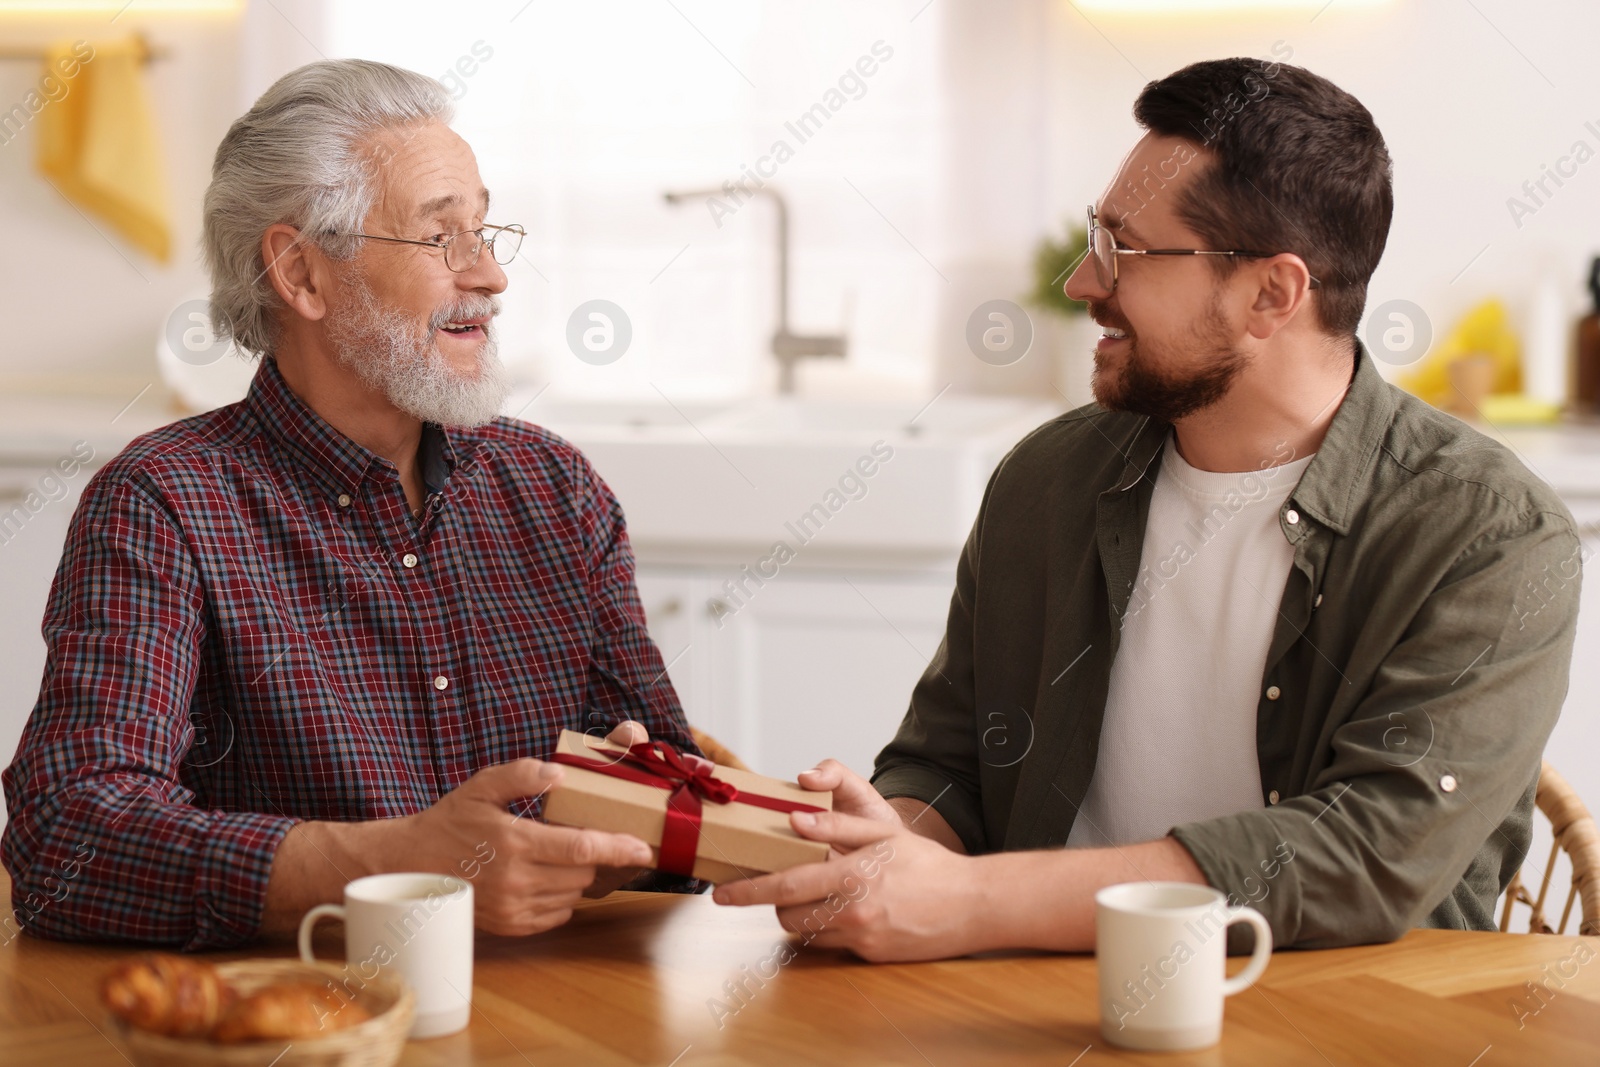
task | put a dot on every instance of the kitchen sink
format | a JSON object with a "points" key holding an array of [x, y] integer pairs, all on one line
{"points": [[869, 482]]}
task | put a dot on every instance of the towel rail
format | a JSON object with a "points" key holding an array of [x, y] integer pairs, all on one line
{"points": [[20, 53]]}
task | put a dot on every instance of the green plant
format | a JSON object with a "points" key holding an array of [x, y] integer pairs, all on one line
{"points": [[1052, 261]]}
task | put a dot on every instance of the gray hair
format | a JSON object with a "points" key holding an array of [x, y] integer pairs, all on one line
{"points": [[299, 156]]}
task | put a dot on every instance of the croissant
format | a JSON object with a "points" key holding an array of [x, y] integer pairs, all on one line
{"points": [[288, 1010], [167, 994]]}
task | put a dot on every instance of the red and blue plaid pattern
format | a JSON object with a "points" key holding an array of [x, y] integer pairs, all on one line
{"points": [[250, 628]]}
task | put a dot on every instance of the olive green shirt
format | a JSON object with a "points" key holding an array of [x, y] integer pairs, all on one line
{"points": [[1418, 665]]}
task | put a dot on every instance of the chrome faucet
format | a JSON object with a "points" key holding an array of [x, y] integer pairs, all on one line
{"points": [[789, 348]]}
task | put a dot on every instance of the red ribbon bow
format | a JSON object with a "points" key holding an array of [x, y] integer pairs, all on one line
{"points": [[660, 764]]}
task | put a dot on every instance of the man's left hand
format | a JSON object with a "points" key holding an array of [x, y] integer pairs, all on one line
{"points": [[887, 893]]}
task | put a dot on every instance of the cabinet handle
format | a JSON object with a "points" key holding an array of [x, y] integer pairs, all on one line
{"points": [[671, 609], [717, 607], [12, 494]]}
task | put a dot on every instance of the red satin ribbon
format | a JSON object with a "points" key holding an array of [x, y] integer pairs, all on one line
{"points": [[660, 764]]}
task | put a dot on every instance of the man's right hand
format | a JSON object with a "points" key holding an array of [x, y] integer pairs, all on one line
{"points": [[526, 875]]}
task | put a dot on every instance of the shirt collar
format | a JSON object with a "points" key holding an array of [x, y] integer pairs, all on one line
{"points": [[335, 459], [1330, 490], [1139, 449]]}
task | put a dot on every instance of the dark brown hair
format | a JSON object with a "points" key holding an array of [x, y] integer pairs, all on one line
{"points": [[1293, 163]]}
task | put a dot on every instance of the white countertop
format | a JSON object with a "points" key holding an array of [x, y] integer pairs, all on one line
{"points": [[38, 428], [1567, 455]]}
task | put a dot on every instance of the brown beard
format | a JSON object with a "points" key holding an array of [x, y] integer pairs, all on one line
{"points": [[1143, 388]]}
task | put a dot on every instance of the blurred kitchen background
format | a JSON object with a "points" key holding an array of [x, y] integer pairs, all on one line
{"points": [[936, 158]]}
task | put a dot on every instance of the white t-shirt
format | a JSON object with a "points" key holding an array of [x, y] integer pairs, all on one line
{"points": [[1179, 739]]}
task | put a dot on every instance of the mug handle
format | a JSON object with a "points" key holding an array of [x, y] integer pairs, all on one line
{"points": [[1237, 984], [336, 910]]}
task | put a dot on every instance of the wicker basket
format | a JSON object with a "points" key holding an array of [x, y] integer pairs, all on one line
{"points": [[377, 1042]]}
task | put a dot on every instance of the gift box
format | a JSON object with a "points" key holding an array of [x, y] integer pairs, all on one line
{"points": [[712, 822]]}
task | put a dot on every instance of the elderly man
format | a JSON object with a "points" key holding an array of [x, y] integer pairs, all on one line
{"points": [[1256, 619], [319, 633]]}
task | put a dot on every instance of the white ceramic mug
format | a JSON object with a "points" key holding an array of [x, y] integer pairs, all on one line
{"points": [[418, 926], [1161, 949]]}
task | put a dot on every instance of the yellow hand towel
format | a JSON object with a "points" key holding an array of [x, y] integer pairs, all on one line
{"points": [[98, 144]]}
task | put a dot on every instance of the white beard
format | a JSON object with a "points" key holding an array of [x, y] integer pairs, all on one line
{"points": [[384, 349]]}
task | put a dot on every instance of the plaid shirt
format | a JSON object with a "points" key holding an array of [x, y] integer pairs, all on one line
{"points": [[250, 628]]}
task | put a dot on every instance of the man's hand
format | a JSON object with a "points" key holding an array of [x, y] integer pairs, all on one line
{"points": [[526, 875], [890, 894], [900, 896], [852, 794]]}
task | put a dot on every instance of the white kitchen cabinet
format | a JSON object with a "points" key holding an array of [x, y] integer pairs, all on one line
{"points": [[1575, 740], [669, 598], [808, 666]]}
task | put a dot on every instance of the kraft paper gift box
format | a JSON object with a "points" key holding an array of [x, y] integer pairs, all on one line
{"points": [[604, 788]]}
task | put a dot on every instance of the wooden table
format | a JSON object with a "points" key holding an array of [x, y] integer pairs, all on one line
{"points": [[645, 979]]}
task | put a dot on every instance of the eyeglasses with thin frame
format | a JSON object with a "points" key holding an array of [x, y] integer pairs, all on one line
{"points": [[462, 250], [1104, 251]]}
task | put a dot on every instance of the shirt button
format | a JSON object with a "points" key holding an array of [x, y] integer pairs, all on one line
{"points": [[441, 683], [1273, 692], [410, 560], [1317, 603], [344, 500], [1272, 797], [1448, 783], [1292, 516]]}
